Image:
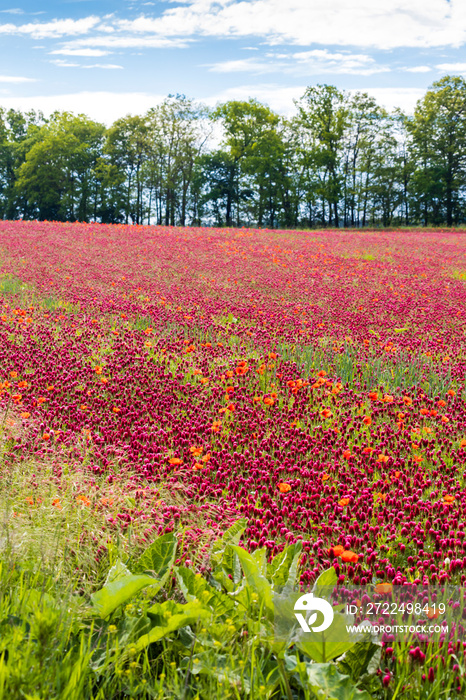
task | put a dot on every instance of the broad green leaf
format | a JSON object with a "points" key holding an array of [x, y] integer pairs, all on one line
{"points": [[325, 582], [191, 613], [326, 682], [158, 557], [355, 662], [230, 564], [119, 591], [231, 536], [160, 613], [220, 580], [255, 580], [260, 556], [283, 568], [195, 587], [329, 644], [116, 572]]}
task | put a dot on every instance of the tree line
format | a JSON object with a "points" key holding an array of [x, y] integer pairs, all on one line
{"points": [[340, 160]]}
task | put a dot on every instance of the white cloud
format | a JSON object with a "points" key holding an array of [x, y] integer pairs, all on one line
{"points": [[102, 106], [16, 79], [13, 11], [65, 64], [79, 52], [324, 61], [418, 69], [359, 23], [50, 30], [452, 67], [313, 62], [365, 23], [403, 97], [127, 41], [243, 65]]}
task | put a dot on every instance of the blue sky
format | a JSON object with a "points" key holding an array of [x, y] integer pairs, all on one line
{"points": [[114, 57]]}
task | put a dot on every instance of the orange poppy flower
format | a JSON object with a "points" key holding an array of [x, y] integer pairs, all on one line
{"points": [[444, 419], [343, 502], [350, 557], [338, 550], [106, 501], [25, 415], [46, 436], [175, 461], [424, 411], [463, 443], [115, 409], [433, 413], [325, 476], [448, 499], [216, 425], [368, 450], [284, 488], [407, 400], [269, 401], [195, 450], [373, 395], [83, 499], [367, 420], [383, 459], [450, 392], [383, 587], [322, 373], [229, 374], [326, 413]]}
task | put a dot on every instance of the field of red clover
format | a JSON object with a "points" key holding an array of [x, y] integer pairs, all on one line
{"points": [[312, 382]]}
